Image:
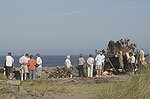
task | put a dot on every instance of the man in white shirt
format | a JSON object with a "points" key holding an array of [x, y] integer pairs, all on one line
{"points": [[9, 65], [24, 68], [39, 65]]}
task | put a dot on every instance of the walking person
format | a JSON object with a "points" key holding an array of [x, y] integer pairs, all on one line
{"points": [[99, 67], [39, 65], [81, 63], [31, 66], [24, 66], [68, 65], [9, 62], [90, 63]]}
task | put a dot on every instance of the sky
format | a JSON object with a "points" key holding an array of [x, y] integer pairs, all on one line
{"points": [[60, 27]]}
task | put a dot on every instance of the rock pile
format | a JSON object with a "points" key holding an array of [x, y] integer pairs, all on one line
{"points": [[59, 72]]}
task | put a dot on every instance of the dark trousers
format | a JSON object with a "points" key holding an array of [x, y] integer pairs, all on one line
{"points": [[9, 70], [81, 71], [133, 66]]}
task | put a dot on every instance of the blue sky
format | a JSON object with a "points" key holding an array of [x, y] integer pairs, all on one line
{"points": [[71, 26]]}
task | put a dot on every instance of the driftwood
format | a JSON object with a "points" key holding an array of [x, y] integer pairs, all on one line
{"points": [[61, 72], [120, 50]]}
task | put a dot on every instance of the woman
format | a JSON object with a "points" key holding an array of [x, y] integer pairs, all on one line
{"points": [[90, 62], [68, 66]]}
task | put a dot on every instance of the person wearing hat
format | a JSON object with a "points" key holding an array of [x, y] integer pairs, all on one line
{"points": [[68, 62], [68, 65]]}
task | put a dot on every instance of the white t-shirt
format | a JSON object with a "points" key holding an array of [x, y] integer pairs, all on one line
{"points": [[9, 61], [90, 60], [103, 60], [23, 60], [68, 63], [132, 59], [39, 61]]}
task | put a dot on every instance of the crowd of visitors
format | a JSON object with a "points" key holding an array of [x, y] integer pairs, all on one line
{"points": [[31, 67], [28, 66], [99, 61]]}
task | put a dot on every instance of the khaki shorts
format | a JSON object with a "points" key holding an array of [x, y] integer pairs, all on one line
{"points": [[24, 69], [99, 67]]}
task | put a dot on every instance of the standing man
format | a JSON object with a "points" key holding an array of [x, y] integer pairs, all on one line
{"points": [[9, 62], [81, 63], [24, 68], [38, 65], [90, 62], [99, 67], [31, 66]]}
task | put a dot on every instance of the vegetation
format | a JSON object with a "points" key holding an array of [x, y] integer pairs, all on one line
{"points": [[137, 86]]}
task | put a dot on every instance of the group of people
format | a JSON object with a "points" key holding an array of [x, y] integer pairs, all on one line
{"points": [[29, 66], [32, 68], [99, 61]]}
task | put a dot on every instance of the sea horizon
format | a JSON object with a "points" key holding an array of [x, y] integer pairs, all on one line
{"points": [[48, 60]]}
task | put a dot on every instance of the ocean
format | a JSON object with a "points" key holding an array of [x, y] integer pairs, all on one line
{"points": [[48, 61]]}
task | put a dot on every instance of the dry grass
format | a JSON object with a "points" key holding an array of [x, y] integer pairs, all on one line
{"points": [[136, 87]]}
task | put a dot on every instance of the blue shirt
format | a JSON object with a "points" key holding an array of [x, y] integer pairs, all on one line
{"points": [[99, 59]]}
